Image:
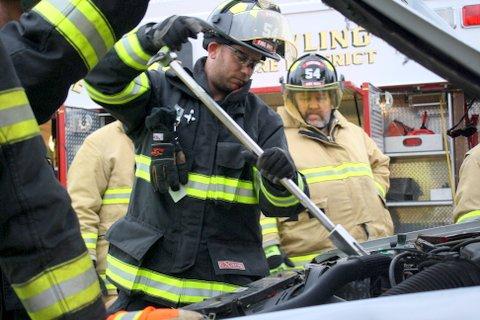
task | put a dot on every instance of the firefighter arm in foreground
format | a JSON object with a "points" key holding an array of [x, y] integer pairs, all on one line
{"points": [[41, 250], [120, 82], [88, 178], [276, 258], [274, 199], [381, 224], [58, 42], [379, 164], [467, 198]]}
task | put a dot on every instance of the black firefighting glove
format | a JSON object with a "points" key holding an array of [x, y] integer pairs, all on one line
{"points": [[274, 164], [173, 32], [168, 167], [277, 259]]}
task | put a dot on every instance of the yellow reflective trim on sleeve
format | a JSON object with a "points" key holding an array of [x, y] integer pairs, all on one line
{"points": [[17, 121], [99, 22], [281, 202], [272, 251], [82, 24], [301, 261], [60, 290], [469, 216], [267, 231], [19, 132], [110, 286], [131, 52], [380, 189], [117, 196], [133, 90], [269, 226], [90, 240], [268, 221]]}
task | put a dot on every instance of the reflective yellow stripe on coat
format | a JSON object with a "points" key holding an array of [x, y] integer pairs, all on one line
{"points": [[135, 89], [60, 290], [269, 226], [155, 284], [343, 171], [221, 188], [469, 216], [206, 187], [131, 52], [282, 202], [117, 196], [82, 24], [17, 122], [90, 240], [301, 261]]}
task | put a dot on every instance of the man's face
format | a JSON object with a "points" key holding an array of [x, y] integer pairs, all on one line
{"points": [[232, 67], [314, 106]]}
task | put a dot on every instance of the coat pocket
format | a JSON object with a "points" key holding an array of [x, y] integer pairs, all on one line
{"points": [[229, 159], [133, 237], [235, 258]]}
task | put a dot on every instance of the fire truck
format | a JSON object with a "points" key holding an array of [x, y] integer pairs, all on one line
{"points": [[386, 93]]}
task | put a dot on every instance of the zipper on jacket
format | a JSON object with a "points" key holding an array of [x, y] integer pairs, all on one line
{"points": [[320, 136]]}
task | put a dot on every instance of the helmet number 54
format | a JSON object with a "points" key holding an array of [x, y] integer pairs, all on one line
{"points": [[312, 73]]}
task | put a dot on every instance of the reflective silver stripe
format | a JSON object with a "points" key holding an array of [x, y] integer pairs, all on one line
{"points": [[82, 24], [269, 243], [343, 171], [142, 164], [140, 280], [68, 288], [15, 114], [155, 284], [133, 90], [131, 52], [221, 188], [86, 27], [204, 187], [286, 201], [117, 196], [129, 316], [17, 122]]}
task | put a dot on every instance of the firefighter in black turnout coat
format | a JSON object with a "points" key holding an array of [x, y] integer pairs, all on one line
{"points": [[192, 230]]}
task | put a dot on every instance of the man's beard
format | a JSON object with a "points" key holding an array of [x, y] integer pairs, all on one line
{"points": [[314, 119]]}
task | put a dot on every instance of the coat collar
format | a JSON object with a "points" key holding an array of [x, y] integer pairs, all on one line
{"points": [[292, 122]]}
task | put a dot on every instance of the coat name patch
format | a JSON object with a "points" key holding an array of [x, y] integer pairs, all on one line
{"points": [[230, 265]]}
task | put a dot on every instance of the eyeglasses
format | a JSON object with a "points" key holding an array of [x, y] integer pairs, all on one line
{"points": [[243, 58]]}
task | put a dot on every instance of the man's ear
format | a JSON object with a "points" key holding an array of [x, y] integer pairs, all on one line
{"points": [[213, 49]]}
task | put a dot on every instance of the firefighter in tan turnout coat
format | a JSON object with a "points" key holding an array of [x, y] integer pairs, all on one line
{"points": [[467, 198], [347, 174], [100, 181]]}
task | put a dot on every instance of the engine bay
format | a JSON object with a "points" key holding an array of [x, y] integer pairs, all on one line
{"points": [[425, 260]]}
